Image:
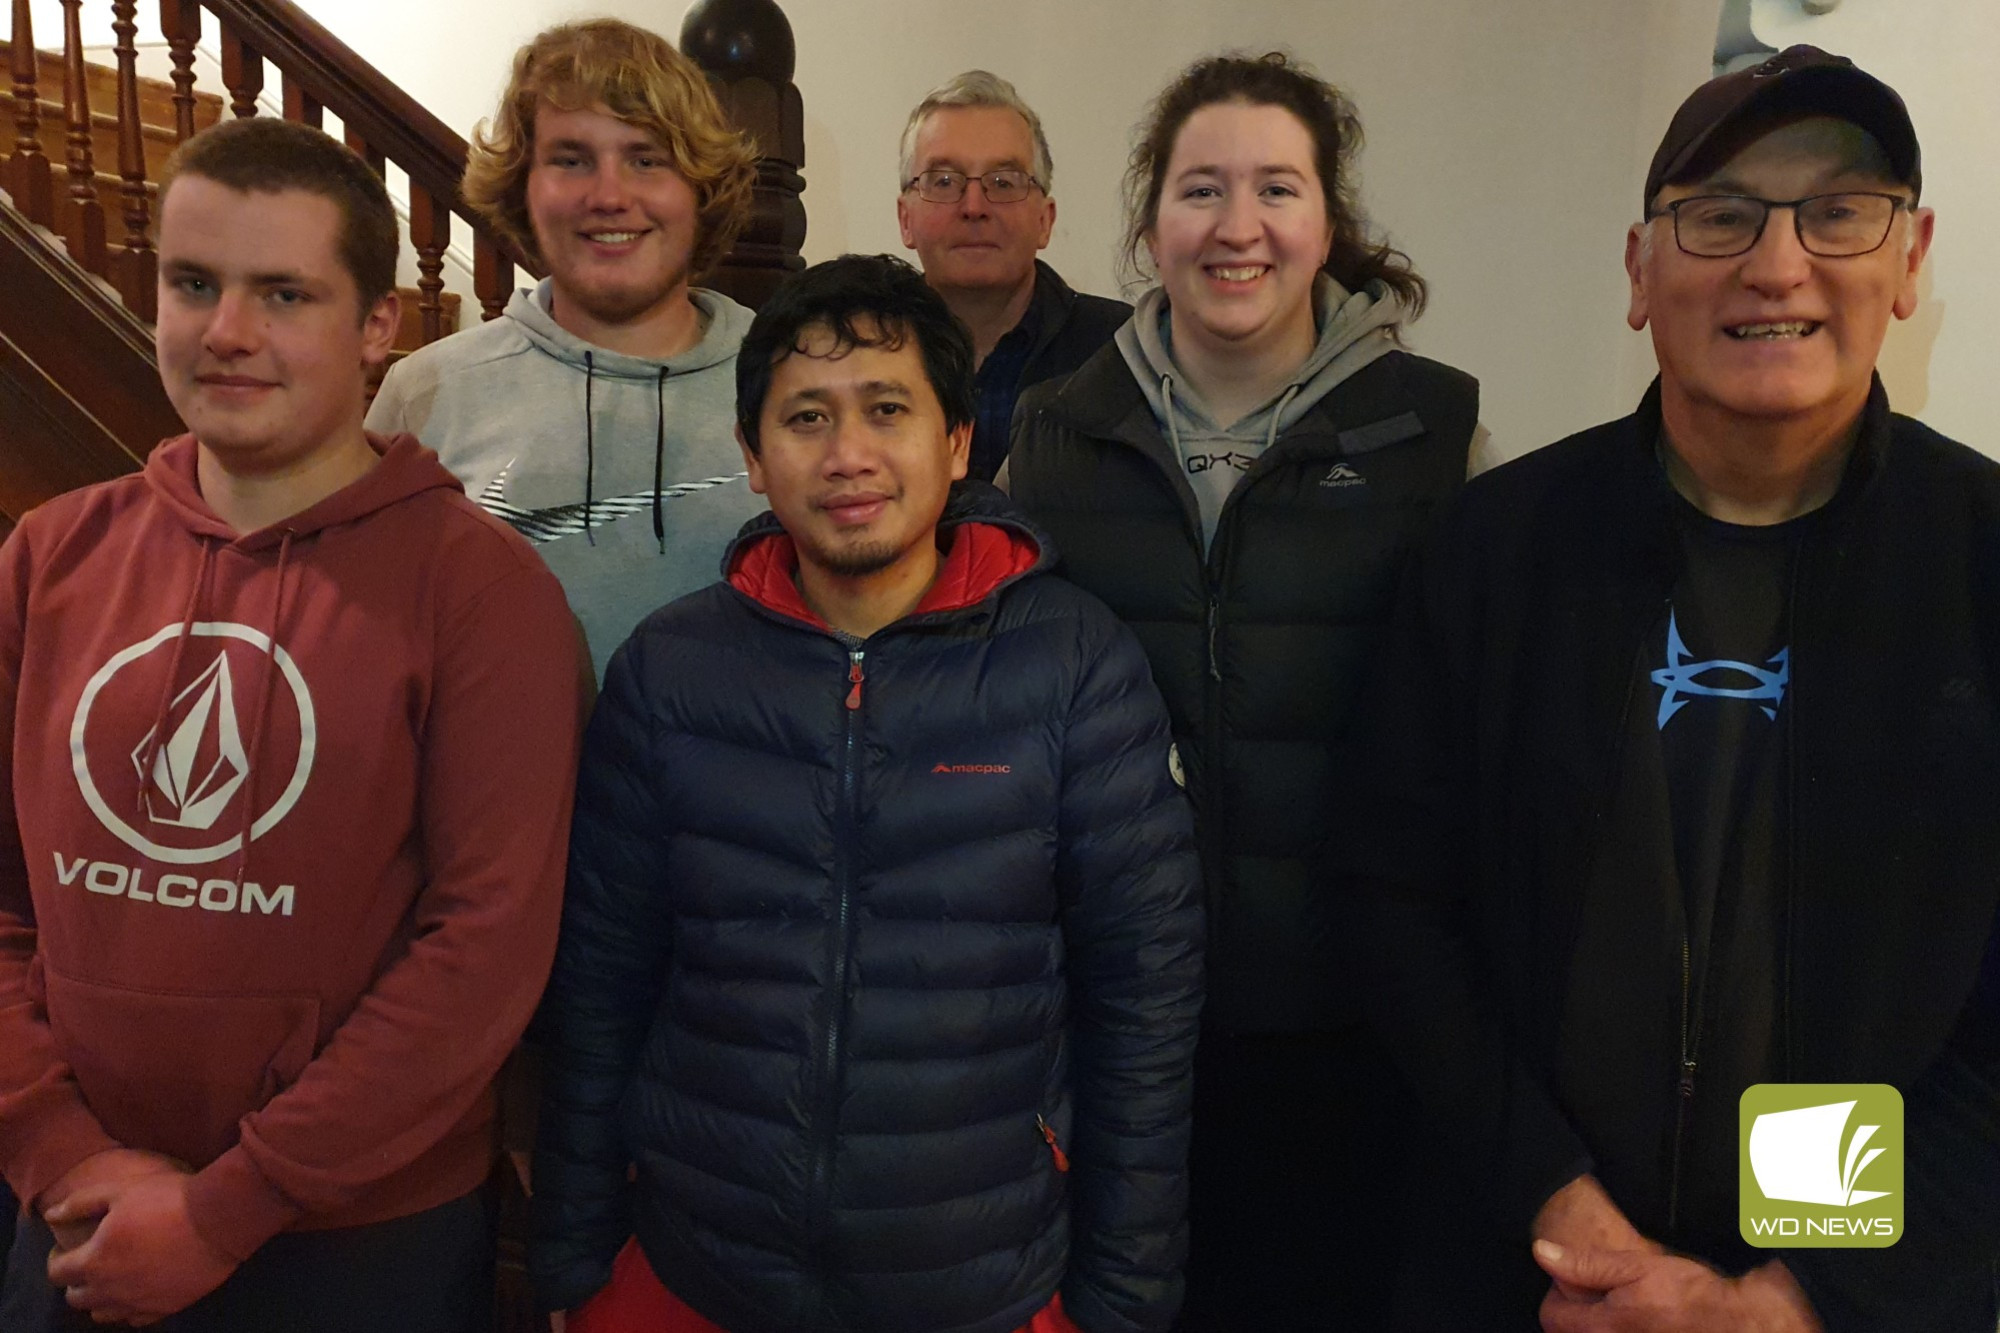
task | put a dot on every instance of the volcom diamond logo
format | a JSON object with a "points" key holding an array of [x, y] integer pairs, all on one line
{"points": [[200, 759], [199, 763]]}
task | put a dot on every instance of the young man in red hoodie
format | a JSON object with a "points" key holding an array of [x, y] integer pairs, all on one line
{"points": [[287, 735]]}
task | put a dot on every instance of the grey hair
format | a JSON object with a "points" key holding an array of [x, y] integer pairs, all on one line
{"points": [[976, 88]]}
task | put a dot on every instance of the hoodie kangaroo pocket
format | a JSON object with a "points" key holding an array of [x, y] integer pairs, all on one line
{"points": [[174, 1073]]}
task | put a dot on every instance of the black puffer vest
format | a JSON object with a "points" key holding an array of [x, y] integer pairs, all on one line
{"points": [[1258, 648]]}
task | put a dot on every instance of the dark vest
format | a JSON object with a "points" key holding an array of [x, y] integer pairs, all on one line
{"points": [[1259, 648]]}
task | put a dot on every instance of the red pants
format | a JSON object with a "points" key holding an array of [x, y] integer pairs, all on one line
{"points": [[635, 1302]]}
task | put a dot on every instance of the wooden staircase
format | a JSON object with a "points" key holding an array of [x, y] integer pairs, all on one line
{"points": [[80, 399], [156, 121]]}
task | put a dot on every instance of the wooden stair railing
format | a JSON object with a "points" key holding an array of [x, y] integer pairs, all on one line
{"points": [[319, 74]]}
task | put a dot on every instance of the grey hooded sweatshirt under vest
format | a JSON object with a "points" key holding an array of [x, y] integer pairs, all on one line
{"points": [[622, 470], [1354, 329]]}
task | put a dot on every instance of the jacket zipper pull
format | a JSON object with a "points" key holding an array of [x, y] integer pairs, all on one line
{"points": [[854, 675], [1687, 1078], [1062, 1158]]}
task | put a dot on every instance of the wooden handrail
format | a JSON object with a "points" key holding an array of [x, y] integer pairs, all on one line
{"points": [[330, 73], [317, 73], [745, 46]]}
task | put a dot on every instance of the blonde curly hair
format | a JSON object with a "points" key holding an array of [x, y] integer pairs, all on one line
{"points": [[641, 79]]}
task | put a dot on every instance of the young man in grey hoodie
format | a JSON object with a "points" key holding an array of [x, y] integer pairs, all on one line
{"points": [[596, 415]]}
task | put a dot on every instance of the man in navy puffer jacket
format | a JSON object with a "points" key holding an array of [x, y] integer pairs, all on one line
{"points": [[881, 960]]}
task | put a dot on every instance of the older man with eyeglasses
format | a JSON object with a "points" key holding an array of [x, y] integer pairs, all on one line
{"points": [[976, 206], [1687, 779]]}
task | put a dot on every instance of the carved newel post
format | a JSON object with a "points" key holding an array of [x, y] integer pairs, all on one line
{"points": [[745, 47]]}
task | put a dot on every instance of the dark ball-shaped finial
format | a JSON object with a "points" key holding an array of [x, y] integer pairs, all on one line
{"points": [[735, 39]]}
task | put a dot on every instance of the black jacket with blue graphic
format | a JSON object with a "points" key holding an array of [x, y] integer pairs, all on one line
{"points": [[1528, 959], [881, 960]]}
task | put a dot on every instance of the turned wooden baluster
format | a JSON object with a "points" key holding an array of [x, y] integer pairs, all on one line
{"points": [[28, 178], [375, 160], [180, 20], [430, 230], [301, 105], [242, 73], [85, 232], [138, 268], [492, 276]]}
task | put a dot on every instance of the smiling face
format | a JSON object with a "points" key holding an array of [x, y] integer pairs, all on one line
{"points": [[854, 455], [613, 219], [1241, 229], [262, 344], [1777, 333], [975, 244]]}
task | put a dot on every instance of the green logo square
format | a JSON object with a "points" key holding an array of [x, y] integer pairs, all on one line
{"points": [[1820, 1165]]}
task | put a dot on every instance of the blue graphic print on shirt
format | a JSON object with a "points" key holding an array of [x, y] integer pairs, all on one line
{"points": [[1680, 679]]}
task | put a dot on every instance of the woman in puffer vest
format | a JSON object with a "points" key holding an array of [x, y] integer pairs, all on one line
{"points": [[1240, 476]]}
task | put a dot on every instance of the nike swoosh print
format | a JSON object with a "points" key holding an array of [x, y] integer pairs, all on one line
{"points": [[542, 526]]}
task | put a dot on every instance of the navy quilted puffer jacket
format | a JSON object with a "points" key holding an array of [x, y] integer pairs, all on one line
{"points": [[881, 960]]}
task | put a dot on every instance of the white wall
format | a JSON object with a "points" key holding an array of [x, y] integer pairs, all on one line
{"points": [[1940, 55], [47, 16], [1507, 143]]}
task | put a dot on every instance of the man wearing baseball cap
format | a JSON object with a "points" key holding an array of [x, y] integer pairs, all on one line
{"points": [[1687, 778]]}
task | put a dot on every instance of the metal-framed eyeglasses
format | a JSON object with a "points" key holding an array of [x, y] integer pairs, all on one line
{"points": [[1832, 226], [1007, 186]]}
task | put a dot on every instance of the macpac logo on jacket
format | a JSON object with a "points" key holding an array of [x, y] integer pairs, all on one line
{"points": [[171, 792]]}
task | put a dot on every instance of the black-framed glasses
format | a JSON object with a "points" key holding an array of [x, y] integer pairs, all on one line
{"points": [[1832, 226], [1008, 186]]}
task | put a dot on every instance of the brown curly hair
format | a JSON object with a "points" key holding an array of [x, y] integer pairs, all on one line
{"points": [[1329, 117], [641, 79]]}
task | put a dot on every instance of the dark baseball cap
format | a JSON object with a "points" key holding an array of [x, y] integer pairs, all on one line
{"points": [[1801, 79]]}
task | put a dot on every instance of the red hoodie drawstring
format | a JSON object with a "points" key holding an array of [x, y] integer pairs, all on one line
{"points": [[155, 738], [256, 750]]}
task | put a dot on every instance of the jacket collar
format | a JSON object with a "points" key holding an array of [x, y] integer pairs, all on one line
{"points": [[1638, 491], [987, 543], [1372, 410], [1049, 307]]}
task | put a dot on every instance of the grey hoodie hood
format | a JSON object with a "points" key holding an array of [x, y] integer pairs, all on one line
{"points": [[623, 470], [727, 323], [1355, 328]]}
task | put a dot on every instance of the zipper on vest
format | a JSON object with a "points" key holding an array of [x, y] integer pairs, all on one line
{"points": [[840, 949], [1055, 1148], [1214, 624]]}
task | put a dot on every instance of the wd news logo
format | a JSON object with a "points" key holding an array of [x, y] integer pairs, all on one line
{"points": [[1821, 1165]]}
